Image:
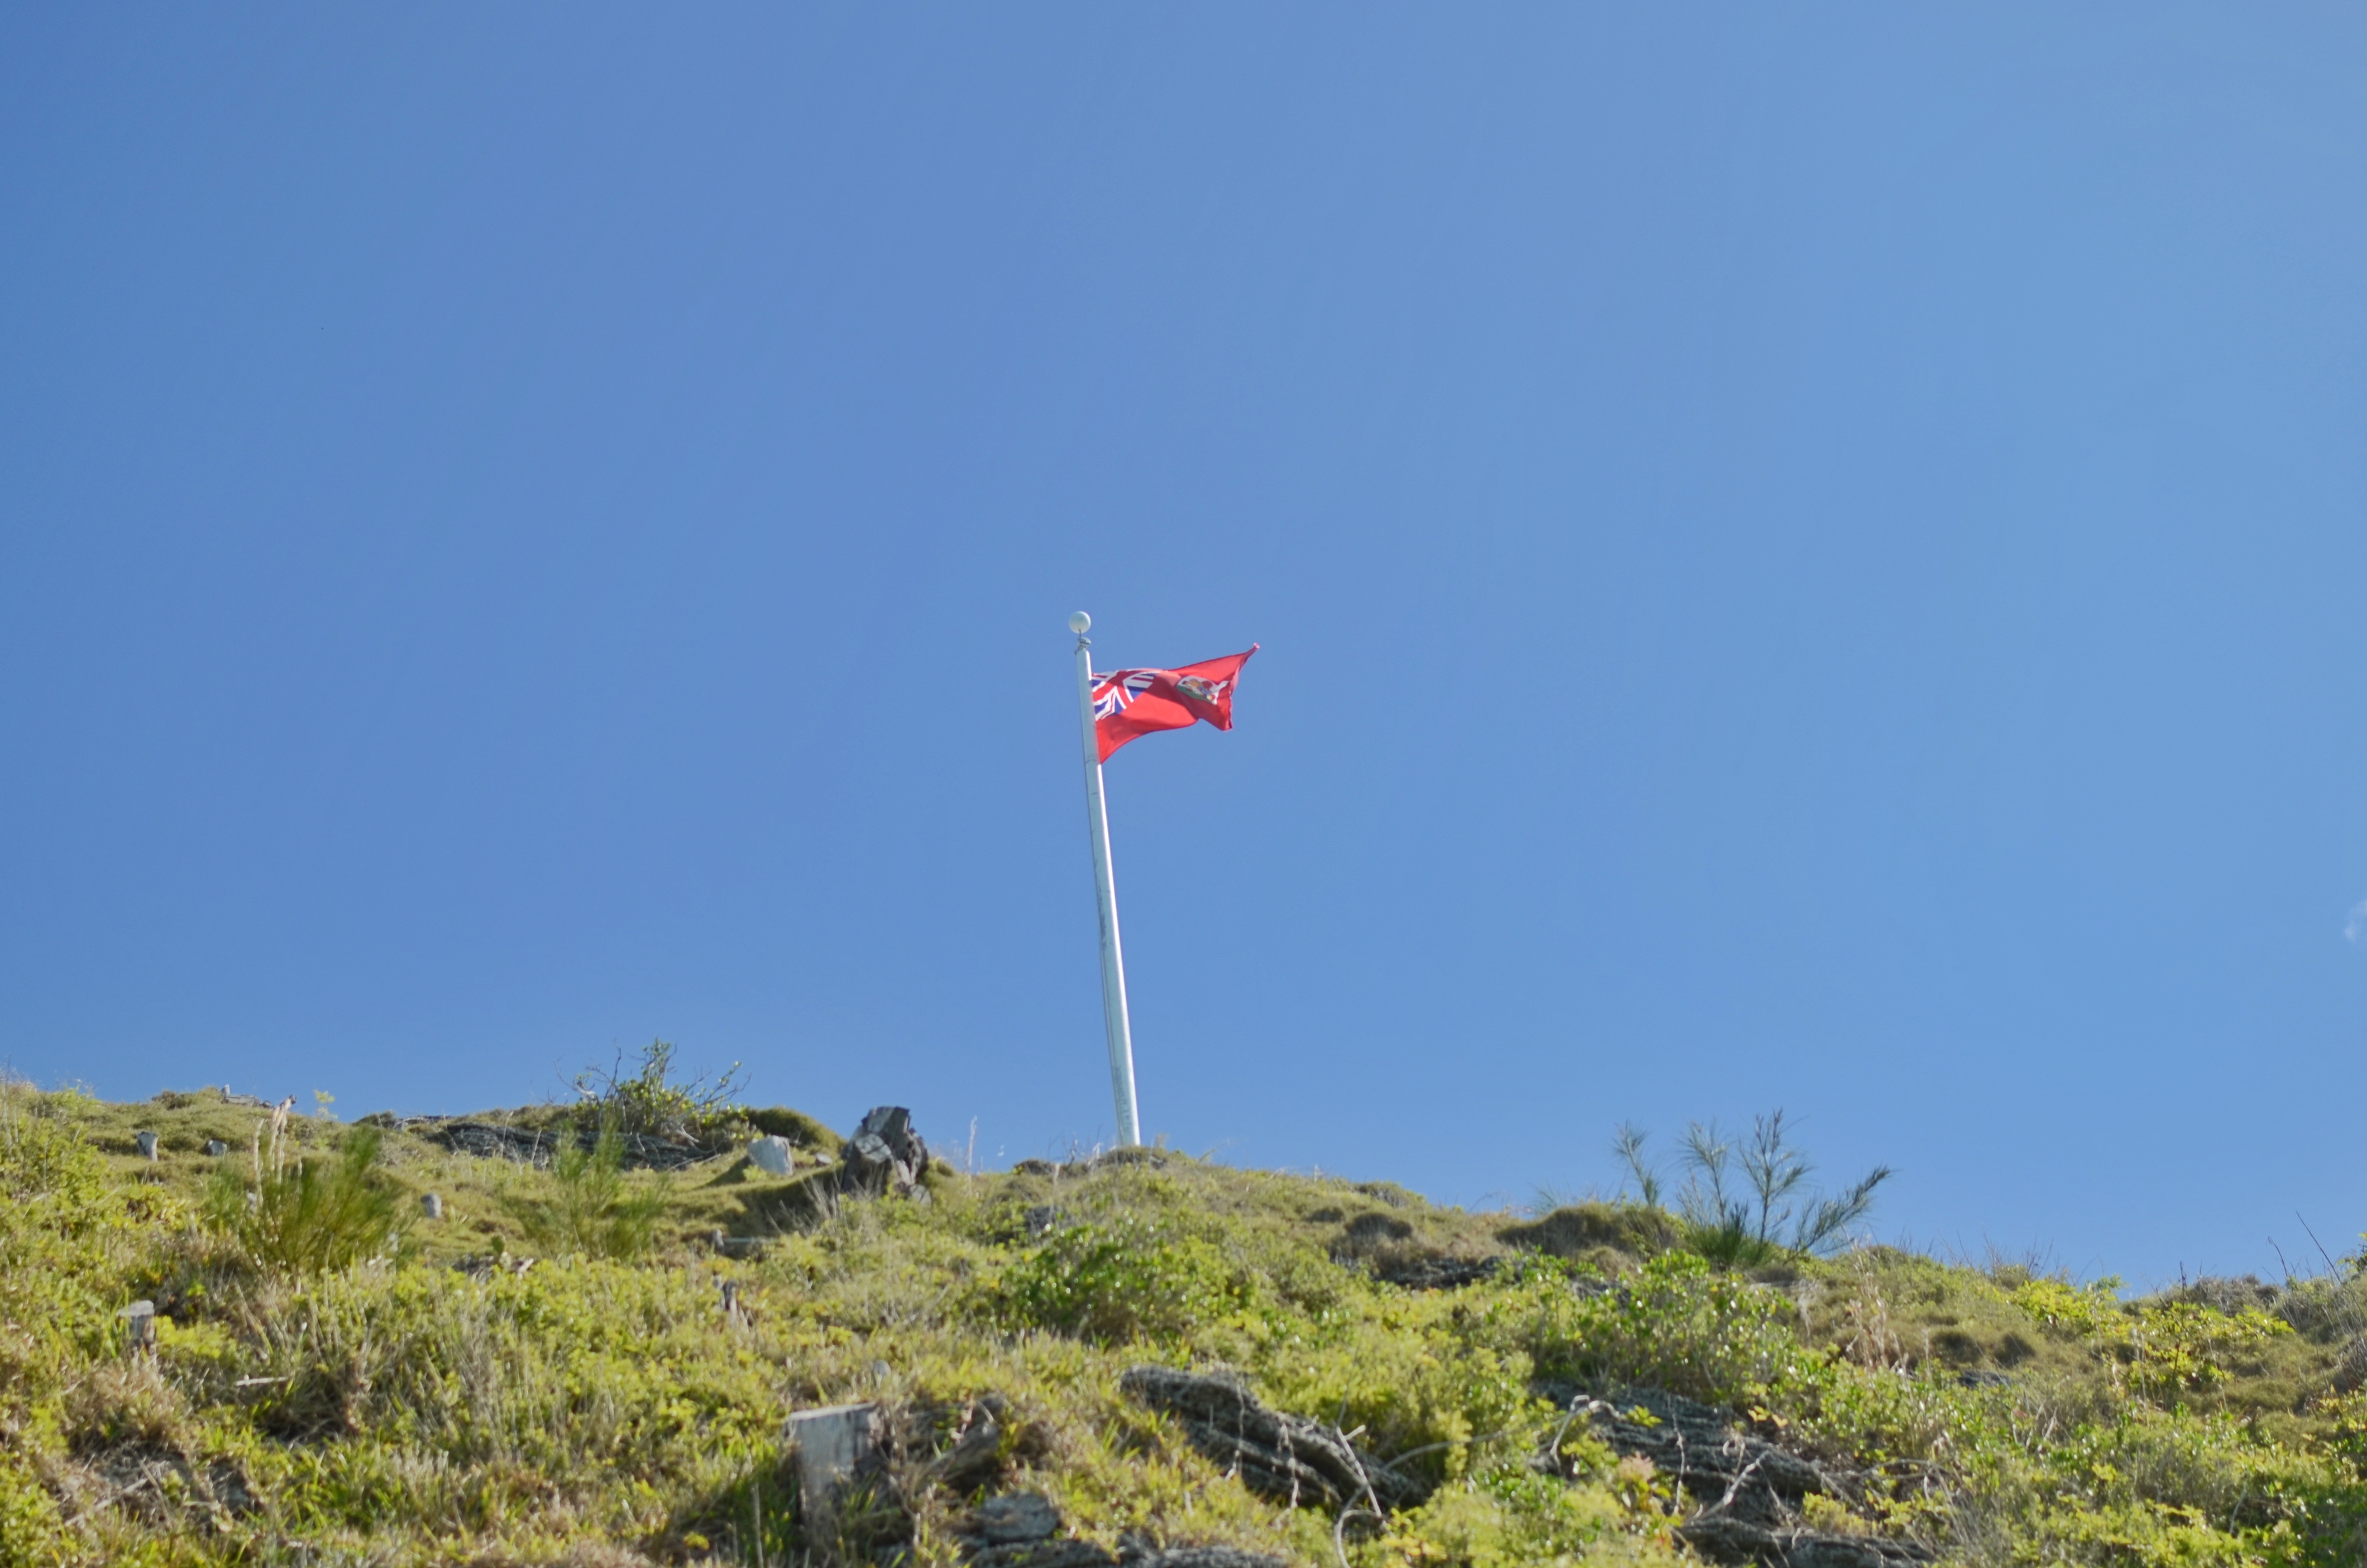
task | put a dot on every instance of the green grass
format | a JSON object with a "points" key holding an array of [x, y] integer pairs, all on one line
{"points": [[590, 1207], [419, 1393]]}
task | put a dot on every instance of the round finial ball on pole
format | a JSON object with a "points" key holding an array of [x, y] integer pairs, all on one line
{"points": [[1080, 623]]}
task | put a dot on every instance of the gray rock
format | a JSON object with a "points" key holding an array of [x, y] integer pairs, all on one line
{"points": [[432, 1205], [772, 1154], [1438, 1273], [1017, 1516], [833, 1445], [976, 1458], [216, 1148], [1288, 1457], [147, 1142], [1699, 1445], [498, 1141], [884, 1154]]}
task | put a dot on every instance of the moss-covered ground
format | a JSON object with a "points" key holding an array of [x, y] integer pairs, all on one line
{"points": [[473, 1390]]}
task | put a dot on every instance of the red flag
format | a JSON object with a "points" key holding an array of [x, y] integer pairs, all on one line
{"points": [[1127, 703]]}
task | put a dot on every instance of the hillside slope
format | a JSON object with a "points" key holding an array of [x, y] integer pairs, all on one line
{"points": [[589, 1357]]}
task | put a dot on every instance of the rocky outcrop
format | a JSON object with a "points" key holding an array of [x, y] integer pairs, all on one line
{"points": [[1436, 1273], [533, 1146]]}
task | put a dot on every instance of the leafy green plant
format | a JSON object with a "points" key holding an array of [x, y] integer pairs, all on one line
{"points": [[290, 1215], [592, 1207]]}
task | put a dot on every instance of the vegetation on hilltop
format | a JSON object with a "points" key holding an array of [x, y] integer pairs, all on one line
{"points": [[564, 1367]]}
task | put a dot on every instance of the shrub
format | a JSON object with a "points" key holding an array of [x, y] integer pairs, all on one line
{"points": [[1675, 1323], [794, 1125], [590, 1410], [1514, 1519], [302, 1216], [649, 1103]]}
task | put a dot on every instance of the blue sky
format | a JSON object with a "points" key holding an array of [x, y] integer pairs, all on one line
{"points": [[1806, 558]]}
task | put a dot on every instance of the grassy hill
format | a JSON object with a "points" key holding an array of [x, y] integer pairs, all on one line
{"points": [[589, 1360]]}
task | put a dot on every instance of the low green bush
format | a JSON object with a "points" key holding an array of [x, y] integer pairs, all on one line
{"points": [[1122, 1281], [1674, 1323], [2164, 1351]]}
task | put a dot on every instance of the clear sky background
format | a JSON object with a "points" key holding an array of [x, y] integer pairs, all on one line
{"points": [[1806, 557]]}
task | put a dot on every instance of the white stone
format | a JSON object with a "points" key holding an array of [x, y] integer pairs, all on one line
{"points": [[433, 1204], [147, 1142], [773, 1155], [832, 1443]]}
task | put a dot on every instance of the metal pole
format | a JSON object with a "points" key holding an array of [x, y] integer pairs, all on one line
{"points": [[1114, 1019]]}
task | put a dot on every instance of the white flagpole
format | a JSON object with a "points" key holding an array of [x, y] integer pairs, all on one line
{"points": [[1121, 1035]]}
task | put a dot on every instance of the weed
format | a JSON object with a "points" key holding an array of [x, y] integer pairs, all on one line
{"points": [[1745, 1203], [1627, 1143]]}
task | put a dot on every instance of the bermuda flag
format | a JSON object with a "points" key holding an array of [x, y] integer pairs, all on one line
{"points": [[1127, 703]]}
